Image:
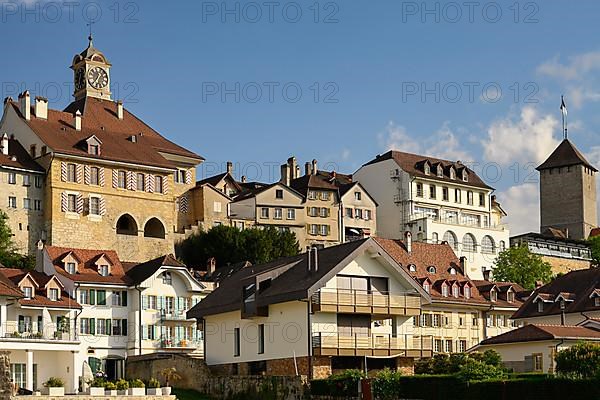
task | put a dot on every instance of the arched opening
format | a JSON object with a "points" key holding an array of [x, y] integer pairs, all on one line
{"points": [[487, 245], [154, 229], [469, 243], [126, 225], [450, 238]]}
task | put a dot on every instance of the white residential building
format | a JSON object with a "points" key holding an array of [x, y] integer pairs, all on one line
{"points": [[436, 200]]}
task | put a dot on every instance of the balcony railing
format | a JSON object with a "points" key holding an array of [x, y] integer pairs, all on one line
{"points": [[365, 302], [39, 336], [329, 344], [178, 343], [173, 315], [460, 221]]}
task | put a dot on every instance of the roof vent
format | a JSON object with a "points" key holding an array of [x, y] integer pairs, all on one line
{"points": [[133, 139], [41, 107], [13, 158], [120, 109], [78, 120]]}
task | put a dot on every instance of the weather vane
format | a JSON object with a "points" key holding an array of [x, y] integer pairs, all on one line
{"points": [[90, 37]]}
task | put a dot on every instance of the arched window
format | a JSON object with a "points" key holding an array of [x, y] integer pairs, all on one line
{"points": [[431, 269], [452, 271], [434, 238], [154, 229], [487, 245], [412, 268], [502, 245], [126, 225], [469, 243], [451, 239]]}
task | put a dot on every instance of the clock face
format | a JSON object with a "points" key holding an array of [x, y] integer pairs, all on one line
{"points": [[80, 79], [97, 78]]}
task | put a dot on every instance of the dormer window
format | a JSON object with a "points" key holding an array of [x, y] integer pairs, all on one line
{"points": [[426, 168], [167, 278], [445, 290], [562, 304], [540, 306], [93, 145], [94, 149], [493, 296], [70, 267], [412, 268], [431, 269], [510, 296], [452, 173], [597, 301], [440, 171], [53, 294], [103, 270], [426, 286], [28, 292], [465, 176], [452, 271], [455, 291], [467, 292]]}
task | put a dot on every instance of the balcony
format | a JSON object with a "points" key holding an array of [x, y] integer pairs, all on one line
{"points": [[459, 221], [174, 315], [48, 336], [328, 344], [177, 343], [364, 302]]}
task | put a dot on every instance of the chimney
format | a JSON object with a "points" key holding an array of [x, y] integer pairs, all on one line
{"points": [[229, 167], [4, 144], [25, 104], [309, 254], [314, 167], [285, 174], [297, 171], [307, 168], [8, 99], [408, 241], [292, 167], [211, 266], [78, 120], [41, 107], [120, 109], [316, 263], [463, 264], [244, 179]]}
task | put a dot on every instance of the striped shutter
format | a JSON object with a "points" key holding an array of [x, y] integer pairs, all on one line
{"points": [[102, 205], [131, 180], [79, 206], [115, 178], [63, 171], [165, 186], [63, 202], [101, 176], [79, 173], [188, 177], [149, 183], [183, 204], [87, 174]]}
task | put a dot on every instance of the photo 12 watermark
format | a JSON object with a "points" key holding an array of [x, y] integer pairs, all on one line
{"points": [[453, 12], [60, 92], [469, 92], [270, 92], [251, 12], [69, 11]]}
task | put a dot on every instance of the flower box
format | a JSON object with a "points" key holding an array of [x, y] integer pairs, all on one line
{"points": [[109, 392], [54, 391], [96, 391], [166, 391], [137, 391], [154, 392]]}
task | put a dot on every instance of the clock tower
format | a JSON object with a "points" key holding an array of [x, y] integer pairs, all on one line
{"points": [[91, 73]]}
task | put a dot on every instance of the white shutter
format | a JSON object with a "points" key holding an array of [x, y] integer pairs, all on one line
{"points": [[79, 205], [101, 176], [115, 178], [188, 177], [79, 173], [63, 202], [130, 180], [63, 171], [87, 174], [102, 205]]}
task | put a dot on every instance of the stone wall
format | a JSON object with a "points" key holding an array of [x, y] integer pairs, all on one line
{"points": [[565, 265], [5, 384], [84, 397]]}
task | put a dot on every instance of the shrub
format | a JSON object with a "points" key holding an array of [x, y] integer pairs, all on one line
{"points": [[110, 386], [475, 370], [54, 382], [153, 383], [424, 366], [492, 357], [170, 375], [136, 383], [122, 384], [386, 384], [579, 361], [456, 361], [98, 382], [440, 364]]}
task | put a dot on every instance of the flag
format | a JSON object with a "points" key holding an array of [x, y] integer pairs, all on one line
{"points": [[563, 106]]}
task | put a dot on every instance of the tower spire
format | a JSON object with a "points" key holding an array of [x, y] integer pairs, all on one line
{"points": [[563, 109], [90, 37]]}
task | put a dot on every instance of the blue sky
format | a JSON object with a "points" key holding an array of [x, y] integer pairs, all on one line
{"points": [[481, 84]]}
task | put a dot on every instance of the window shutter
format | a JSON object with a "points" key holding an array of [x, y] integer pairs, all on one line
{"points": [[183, 204], [87, 174], [188, 177], [115, 178], [156, 332], [101, 176], [102, 206], [79, 206], [124, 327], [329, 212], [131, 178], [78, 173], [63, 202], [144, 332], [92, 326], [108, 327], [124, 298], [149, 183], [165, 186], [144, 302], [92, 297], [63, 171]]}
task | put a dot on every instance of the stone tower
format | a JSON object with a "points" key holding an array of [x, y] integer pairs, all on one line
{"points": [[91, 74], [568, 192]]}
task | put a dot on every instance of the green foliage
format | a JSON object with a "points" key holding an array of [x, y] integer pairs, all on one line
{"points": [[385, 384], [475, 370], [579, 361], [54, 382], [122, 384], [153, 383], [344, 384], [136, 383], [444, 364], [170, 374], [594, 243], [187, 394], [492, 357], [8, 251], [98, 382], [229, 245], [519, 265], [110, 385]]}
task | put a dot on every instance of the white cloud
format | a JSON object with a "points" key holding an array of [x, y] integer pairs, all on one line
{"points": [[577, 96], [444, 143], [574, 69], [522, 204], [527, 139]]}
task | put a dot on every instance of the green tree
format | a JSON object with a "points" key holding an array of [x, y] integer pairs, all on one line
{"points": [[519, 265], [8, 250], [475, 370], [579, 361], [229, 245], [594, 243]]}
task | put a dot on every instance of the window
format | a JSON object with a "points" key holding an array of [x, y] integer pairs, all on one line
{"points": [[325, 196], [101, 326], [538, 362], [467, 292], [419, 190], [357, 195], [264, 212], [358, 213], [596, 301], [412, 268], [367, 215], [462, 346], [436, 320], [493, 295], [469, 243], [426, 287], [84, 326], [313, 211], [445, 290], [94, 176], [474, 319], [432, 191], [38, 181], [122, 182], [324, 230], [94, 206], [71, 173], [279, 194], [116, 298], [452, 271], [324, 212], [84, 297], [217, 207], [291, 214], [180, 176], [70, 268], [440, 171], [457, 196], [469, 198], [482, 199], [236, 342], [349, 212], [26, 180], [445, 195], [314, 229], [510, 296], [427, 168], [93, 149], [455, 291], [278, 213], [487, 245], [28, 292], [12, 178], [100, 297], [53, 294], [72, 203], [261, 338], [437, 345], [540, 306], [27, 204], [502, 245], [167, 278], [103, 270], [12, 202], [158, 184], [312, 195], [141, 182], [448, 347], [431, 269]]}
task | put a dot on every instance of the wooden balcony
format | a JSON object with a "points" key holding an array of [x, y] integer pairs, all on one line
{"points": [[328, 344], [364, 302]]}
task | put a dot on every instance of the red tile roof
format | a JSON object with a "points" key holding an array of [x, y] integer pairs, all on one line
{"points": [[86, 271], [18, 157], [537, 332], [99, 118]]}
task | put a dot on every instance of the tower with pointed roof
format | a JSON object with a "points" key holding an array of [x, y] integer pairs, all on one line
{"points": [[91, 73], [568, 192]]}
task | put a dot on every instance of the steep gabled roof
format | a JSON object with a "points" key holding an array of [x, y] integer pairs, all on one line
{"points": [[565, 155], [539, 332], [306, 182], [138, 273], [18, 157]]}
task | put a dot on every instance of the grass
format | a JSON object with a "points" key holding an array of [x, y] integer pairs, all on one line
{"points": [[188, 394]]}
